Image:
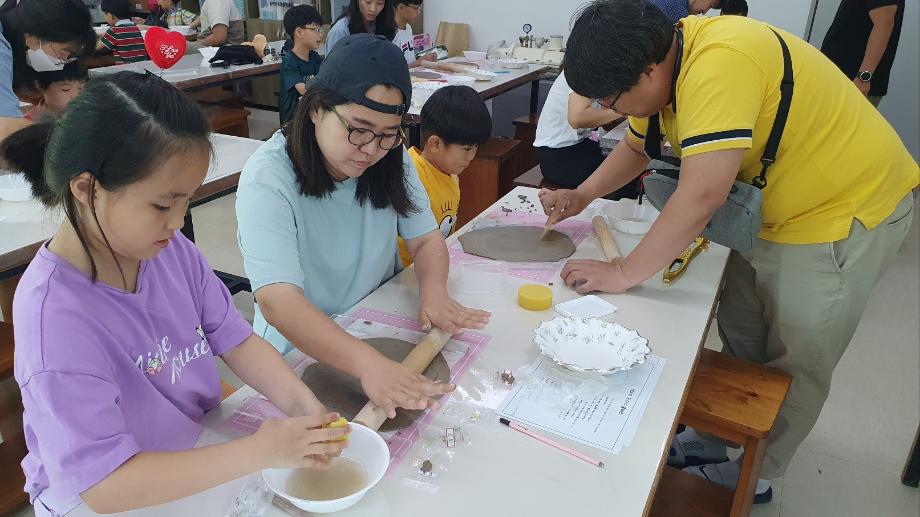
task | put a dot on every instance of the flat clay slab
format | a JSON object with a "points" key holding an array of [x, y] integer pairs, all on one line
{"points": [[343, 393], [425, 75], [517, 244]]}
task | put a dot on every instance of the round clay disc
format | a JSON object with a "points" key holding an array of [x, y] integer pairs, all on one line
{"points": [[343, 393], [517, 244], [425, 75]]}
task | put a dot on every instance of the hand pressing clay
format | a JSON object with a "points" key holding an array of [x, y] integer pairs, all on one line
{"points": [[343, 393]]}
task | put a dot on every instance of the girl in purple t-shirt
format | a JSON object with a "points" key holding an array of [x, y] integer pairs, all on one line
{"points": [[118, 316]]}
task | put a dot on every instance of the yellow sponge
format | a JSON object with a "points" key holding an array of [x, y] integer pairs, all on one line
{"points": [[341, 422], [535, 297]]}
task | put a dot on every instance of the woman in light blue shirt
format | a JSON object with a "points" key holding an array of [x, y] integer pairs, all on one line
{"points": [[363, 16], [37, 36], [319, 207]]}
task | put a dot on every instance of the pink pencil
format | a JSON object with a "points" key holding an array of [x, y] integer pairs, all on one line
{"points": [[521, 429]]}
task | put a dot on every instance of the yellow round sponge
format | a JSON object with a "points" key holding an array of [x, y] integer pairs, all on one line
{"points": [[535, 297], [341, 422]]}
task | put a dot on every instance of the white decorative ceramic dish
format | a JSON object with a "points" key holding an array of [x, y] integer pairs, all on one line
{"points": [[365, 447], [628, 216], [14, 187], [461, 80], [591, 345], [513, 63], [429, 85], [479, 74]]}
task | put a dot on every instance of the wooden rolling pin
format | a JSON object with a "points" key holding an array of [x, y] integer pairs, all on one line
{"points": [[445, 67], [603, 234], [418, 359]]}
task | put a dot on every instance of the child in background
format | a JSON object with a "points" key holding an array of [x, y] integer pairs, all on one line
{"points": [[406, 12], [454, 122], [169, 13], [119, 317], [58, 88], [303, 25], [123, 38]]}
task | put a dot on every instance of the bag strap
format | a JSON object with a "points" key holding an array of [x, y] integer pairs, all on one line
{"points": [[782, 113], [652, 145]]}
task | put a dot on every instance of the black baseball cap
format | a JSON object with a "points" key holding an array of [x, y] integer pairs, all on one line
{"points": [[362, 61]]}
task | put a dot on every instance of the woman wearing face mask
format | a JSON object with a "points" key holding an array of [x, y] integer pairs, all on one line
{"points": [[37, 36], [371, 16]]}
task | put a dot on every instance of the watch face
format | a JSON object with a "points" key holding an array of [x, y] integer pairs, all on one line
{"points": [[865, 76]]}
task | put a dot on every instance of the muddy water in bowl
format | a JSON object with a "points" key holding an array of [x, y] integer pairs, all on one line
{"points": [[344, 477]]}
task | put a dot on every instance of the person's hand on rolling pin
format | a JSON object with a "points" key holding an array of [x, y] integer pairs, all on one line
{"points": [[442, 311], [298, 442], [390, 385], [595, 275], [562, 204]]}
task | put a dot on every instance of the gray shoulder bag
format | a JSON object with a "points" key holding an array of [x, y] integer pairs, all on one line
{"points": [[736, 223]]}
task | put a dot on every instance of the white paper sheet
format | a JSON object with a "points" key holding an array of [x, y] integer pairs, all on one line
{"points": [[589, 306], [602, 412]]}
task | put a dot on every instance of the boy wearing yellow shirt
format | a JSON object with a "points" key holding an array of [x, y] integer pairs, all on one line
{"points": [[454, 122]]}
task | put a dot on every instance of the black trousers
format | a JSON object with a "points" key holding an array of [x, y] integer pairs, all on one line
{"points": [[568, 167]]}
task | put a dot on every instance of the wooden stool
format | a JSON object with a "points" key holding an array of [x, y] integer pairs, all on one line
{"points": [[228, 121], [737, 401], [534, 179], [13, 448], [7, 288], [489, 177], [525, 131]]}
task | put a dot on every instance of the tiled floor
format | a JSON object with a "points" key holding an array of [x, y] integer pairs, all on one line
{"points": [[850, 465]]}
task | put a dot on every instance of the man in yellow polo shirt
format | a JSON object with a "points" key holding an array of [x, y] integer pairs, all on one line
{"points": [[836, 207]]}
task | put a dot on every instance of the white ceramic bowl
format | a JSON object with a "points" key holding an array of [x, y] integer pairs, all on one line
{"points": [[590, 344], [513, 63], [628, 216], [185, 30], [464, 80], [365, 447], [208, 52], [14, 187], [474, 55]]}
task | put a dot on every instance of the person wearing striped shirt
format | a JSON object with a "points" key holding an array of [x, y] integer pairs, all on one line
{"points": [[123, 38]]}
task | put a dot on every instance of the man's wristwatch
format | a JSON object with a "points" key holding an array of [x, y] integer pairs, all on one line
{"points": [[865, 76]]}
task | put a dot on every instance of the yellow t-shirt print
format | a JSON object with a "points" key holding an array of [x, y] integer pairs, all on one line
{"points": [[444, 194]]}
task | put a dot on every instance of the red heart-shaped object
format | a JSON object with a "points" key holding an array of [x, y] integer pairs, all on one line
{"points": [[164, 47]]}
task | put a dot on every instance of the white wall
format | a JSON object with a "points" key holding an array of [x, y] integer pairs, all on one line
{"points": [[901, 106], [494, 20]]}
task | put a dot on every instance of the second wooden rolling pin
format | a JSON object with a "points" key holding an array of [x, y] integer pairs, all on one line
{"points": [[606, 238], [418, 359]]}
